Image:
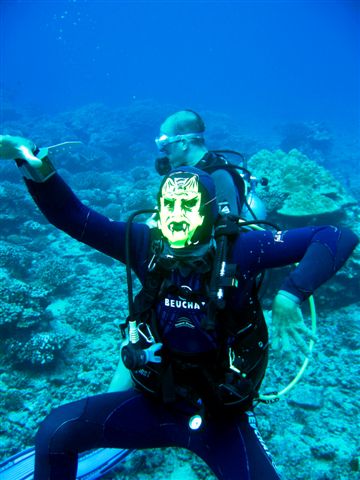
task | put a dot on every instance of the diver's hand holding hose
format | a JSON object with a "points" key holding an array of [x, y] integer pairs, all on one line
{"points": [[288, 324], [13, 147]]}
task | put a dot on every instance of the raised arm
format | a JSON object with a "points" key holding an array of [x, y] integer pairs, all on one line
{"points": [[64, 210]]}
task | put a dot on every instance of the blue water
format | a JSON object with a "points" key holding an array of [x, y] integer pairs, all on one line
{"points": [[262, 62]]}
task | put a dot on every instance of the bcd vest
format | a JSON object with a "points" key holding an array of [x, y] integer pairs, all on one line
{"points": [[221, 362]]}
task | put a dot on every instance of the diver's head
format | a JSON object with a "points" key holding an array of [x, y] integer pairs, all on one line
{"points": [[187, 207], [181, 138]]}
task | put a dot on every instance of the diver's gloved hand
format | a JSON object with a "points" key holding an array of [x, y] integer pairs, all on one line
{"points": [[13, 147], [288, 327]]}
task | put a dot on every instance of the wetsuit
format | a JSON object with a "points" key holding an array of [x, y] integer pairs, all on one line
{"points": [[229, 191], [228, 441]]}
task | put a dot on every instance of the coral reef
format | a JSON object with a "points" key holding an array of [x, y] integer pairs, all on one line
{"points": [[301, 192], [54, 273], [61, 303], [299, 188], [21, 305], [15, 258], [42, 349]]}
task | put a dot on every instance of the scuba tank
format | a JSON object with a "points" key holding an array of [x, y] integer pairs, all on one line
{"points": [[254, 207]]}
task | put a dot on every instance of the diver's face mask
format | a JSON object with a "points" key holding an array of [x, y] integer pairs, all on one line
{"points": [[179, 210], [163, 141], [173, 157]]}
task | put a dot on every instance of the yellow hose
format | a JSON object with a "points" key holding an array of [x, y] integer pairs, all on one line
{"points": [[272, 397]]}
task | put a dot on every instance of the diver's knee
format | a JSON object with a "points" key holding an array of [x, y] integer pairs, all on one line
{"points": [[56, 428]]}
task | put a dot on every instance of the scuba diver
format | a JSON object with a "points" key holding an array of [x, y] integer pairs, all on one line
{"points": [[181, 141], [197, 342]]}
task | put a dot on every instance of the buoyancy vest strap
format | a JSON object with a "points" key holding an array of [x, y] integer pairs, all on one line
{"points": [[223, 275], [216, 292], [131, 321], [145, 299], [214, 161]]}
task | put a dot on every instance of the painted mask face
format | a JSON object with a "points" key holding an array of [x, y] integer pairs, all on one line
{"points": [[179, 215]]}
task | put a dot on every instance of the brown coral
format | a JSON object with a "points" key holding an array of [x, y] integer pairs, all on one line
{"points": [[301, 187]]}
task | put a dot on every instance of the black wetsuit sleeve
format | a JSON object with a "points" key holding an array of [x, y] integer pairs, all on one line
{"points": [[64, 210], [320, 251]]}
